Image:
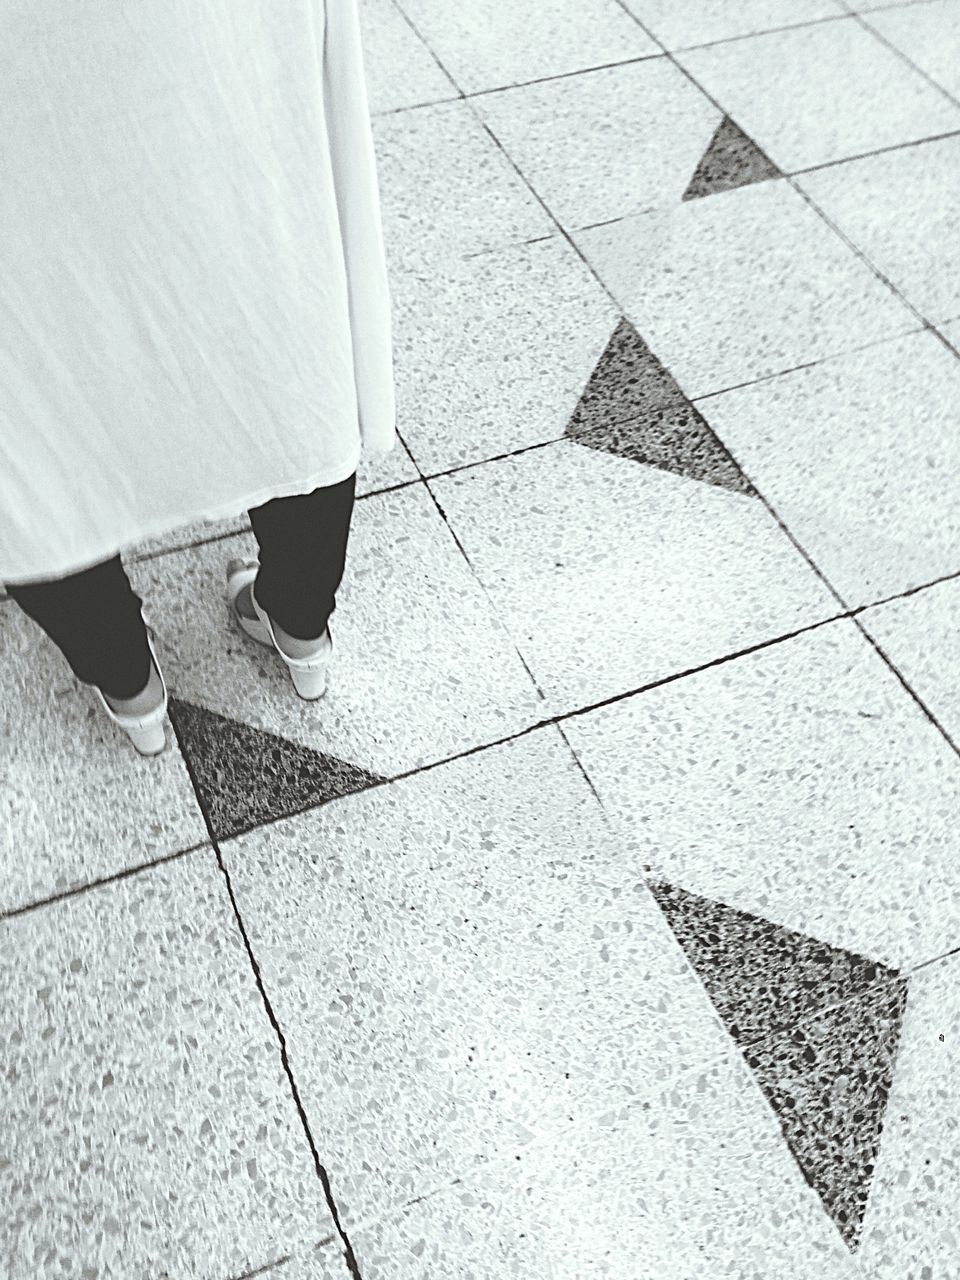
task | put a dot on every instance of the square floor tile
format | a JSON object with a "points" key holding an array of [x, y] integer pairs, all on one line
{"points": [[800, 784], [611, 574], [929, 35], [76, 801], [700, 21], [920, 634], [822, 92], [461, 962], [696, 1180], [487, 44], [860, 458], [400, 69], [494, 351], [900, 209], [912, 1226], [423, 668], [740, 285], [447, 189], [605, 143], [147, 1117]]}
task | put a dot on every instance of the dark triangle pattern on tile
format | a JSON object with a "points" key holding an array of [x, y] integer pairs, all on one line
{"points": [[730, 160], [760, 976], [818, 1025], [246, 776], [828, 1081], [632, 407]]}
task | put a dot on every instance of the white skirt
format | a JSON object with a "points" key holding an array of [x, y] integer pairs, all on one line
{"points": [[194, 312]]}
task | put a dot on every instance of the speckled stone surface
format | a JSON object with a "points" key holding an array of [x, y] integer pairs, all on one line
{"points": [[828, 1081], [731, 160], [801, 784], [681, 574], [912, 1226], [446, 188], [920, 634], [873, 492], [702, 21], [761, 977], [324, 1262], [489, 44], [814, 94], [148, 1127], [606, 143], [631, 407], [463, 963], [900, 210], [491, 352], [76, 801], [400, 69], [929, 36], [422, 667], [694, 1180], [745, 284], [245, 776]]}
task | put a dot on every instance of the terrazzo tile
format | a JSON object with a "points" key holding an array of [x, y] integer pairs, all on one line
{"points": [[695, 1180], [492, 352], [395, 468], [920, 634], [828, 1081], [873, 492], [147, 1116], [489, 44], [701, 21], [493, 970], [422, 667], [245, 776], [76, 801], [604, 143], [446, 188], [740, 286], [610, 574], [731, 160], [929, 35], [324, 1263], [912, 1225], [632, 408], [818, 93], [800, 784], [761, 977], [900, 210], [400, 69]]}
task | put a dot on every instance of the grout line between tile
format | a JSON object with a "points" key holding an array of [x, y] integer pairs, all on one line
{"points": [[879, 151], [859, 18], [124, 874], [322, 1174]]}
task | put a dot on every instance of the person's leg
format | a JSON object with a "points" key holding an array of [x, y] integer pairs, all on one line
{"points": [[94, 619], [303, 549]]}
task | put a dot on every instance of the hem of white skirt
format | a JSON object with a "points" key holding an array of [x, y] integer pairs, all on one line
{"points": [[223, 511]]}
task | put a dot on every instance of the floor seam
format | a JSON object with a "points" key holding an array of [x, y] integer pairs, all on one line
{"points": [[348, 1253]]}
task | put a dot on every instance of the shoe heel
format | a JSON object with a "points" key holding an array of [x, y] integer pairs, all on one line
{"points": [[310, 685], [150, 740]]}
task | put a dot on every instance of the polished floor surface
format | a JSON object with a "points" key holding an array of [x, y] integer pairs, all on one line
{"points": [[604, 919]]}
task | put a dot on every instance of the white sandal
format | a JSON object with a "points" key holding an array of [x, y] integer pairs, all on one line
{"points": [[309, 674], [146, 732]]}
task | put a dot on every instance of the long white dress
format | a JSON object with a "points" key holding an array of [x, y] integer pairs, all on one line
{"points": [[194, 310]]}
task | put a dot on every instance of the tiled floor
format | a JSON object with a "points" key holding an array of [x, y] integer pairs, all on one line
{"points": [[602, 920]]}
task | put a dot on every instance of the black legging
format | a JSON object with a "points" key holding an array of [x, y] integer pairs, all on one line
{"points": [[94, 617]]}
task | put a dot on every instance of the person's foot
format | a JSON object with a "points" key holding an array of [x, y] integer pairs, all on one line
{"points": [[292, 646], [148, 699]]}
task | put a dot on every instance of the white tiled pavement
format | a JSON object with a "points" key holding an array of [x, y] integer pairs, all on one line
{"points": [[601, 921]]}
